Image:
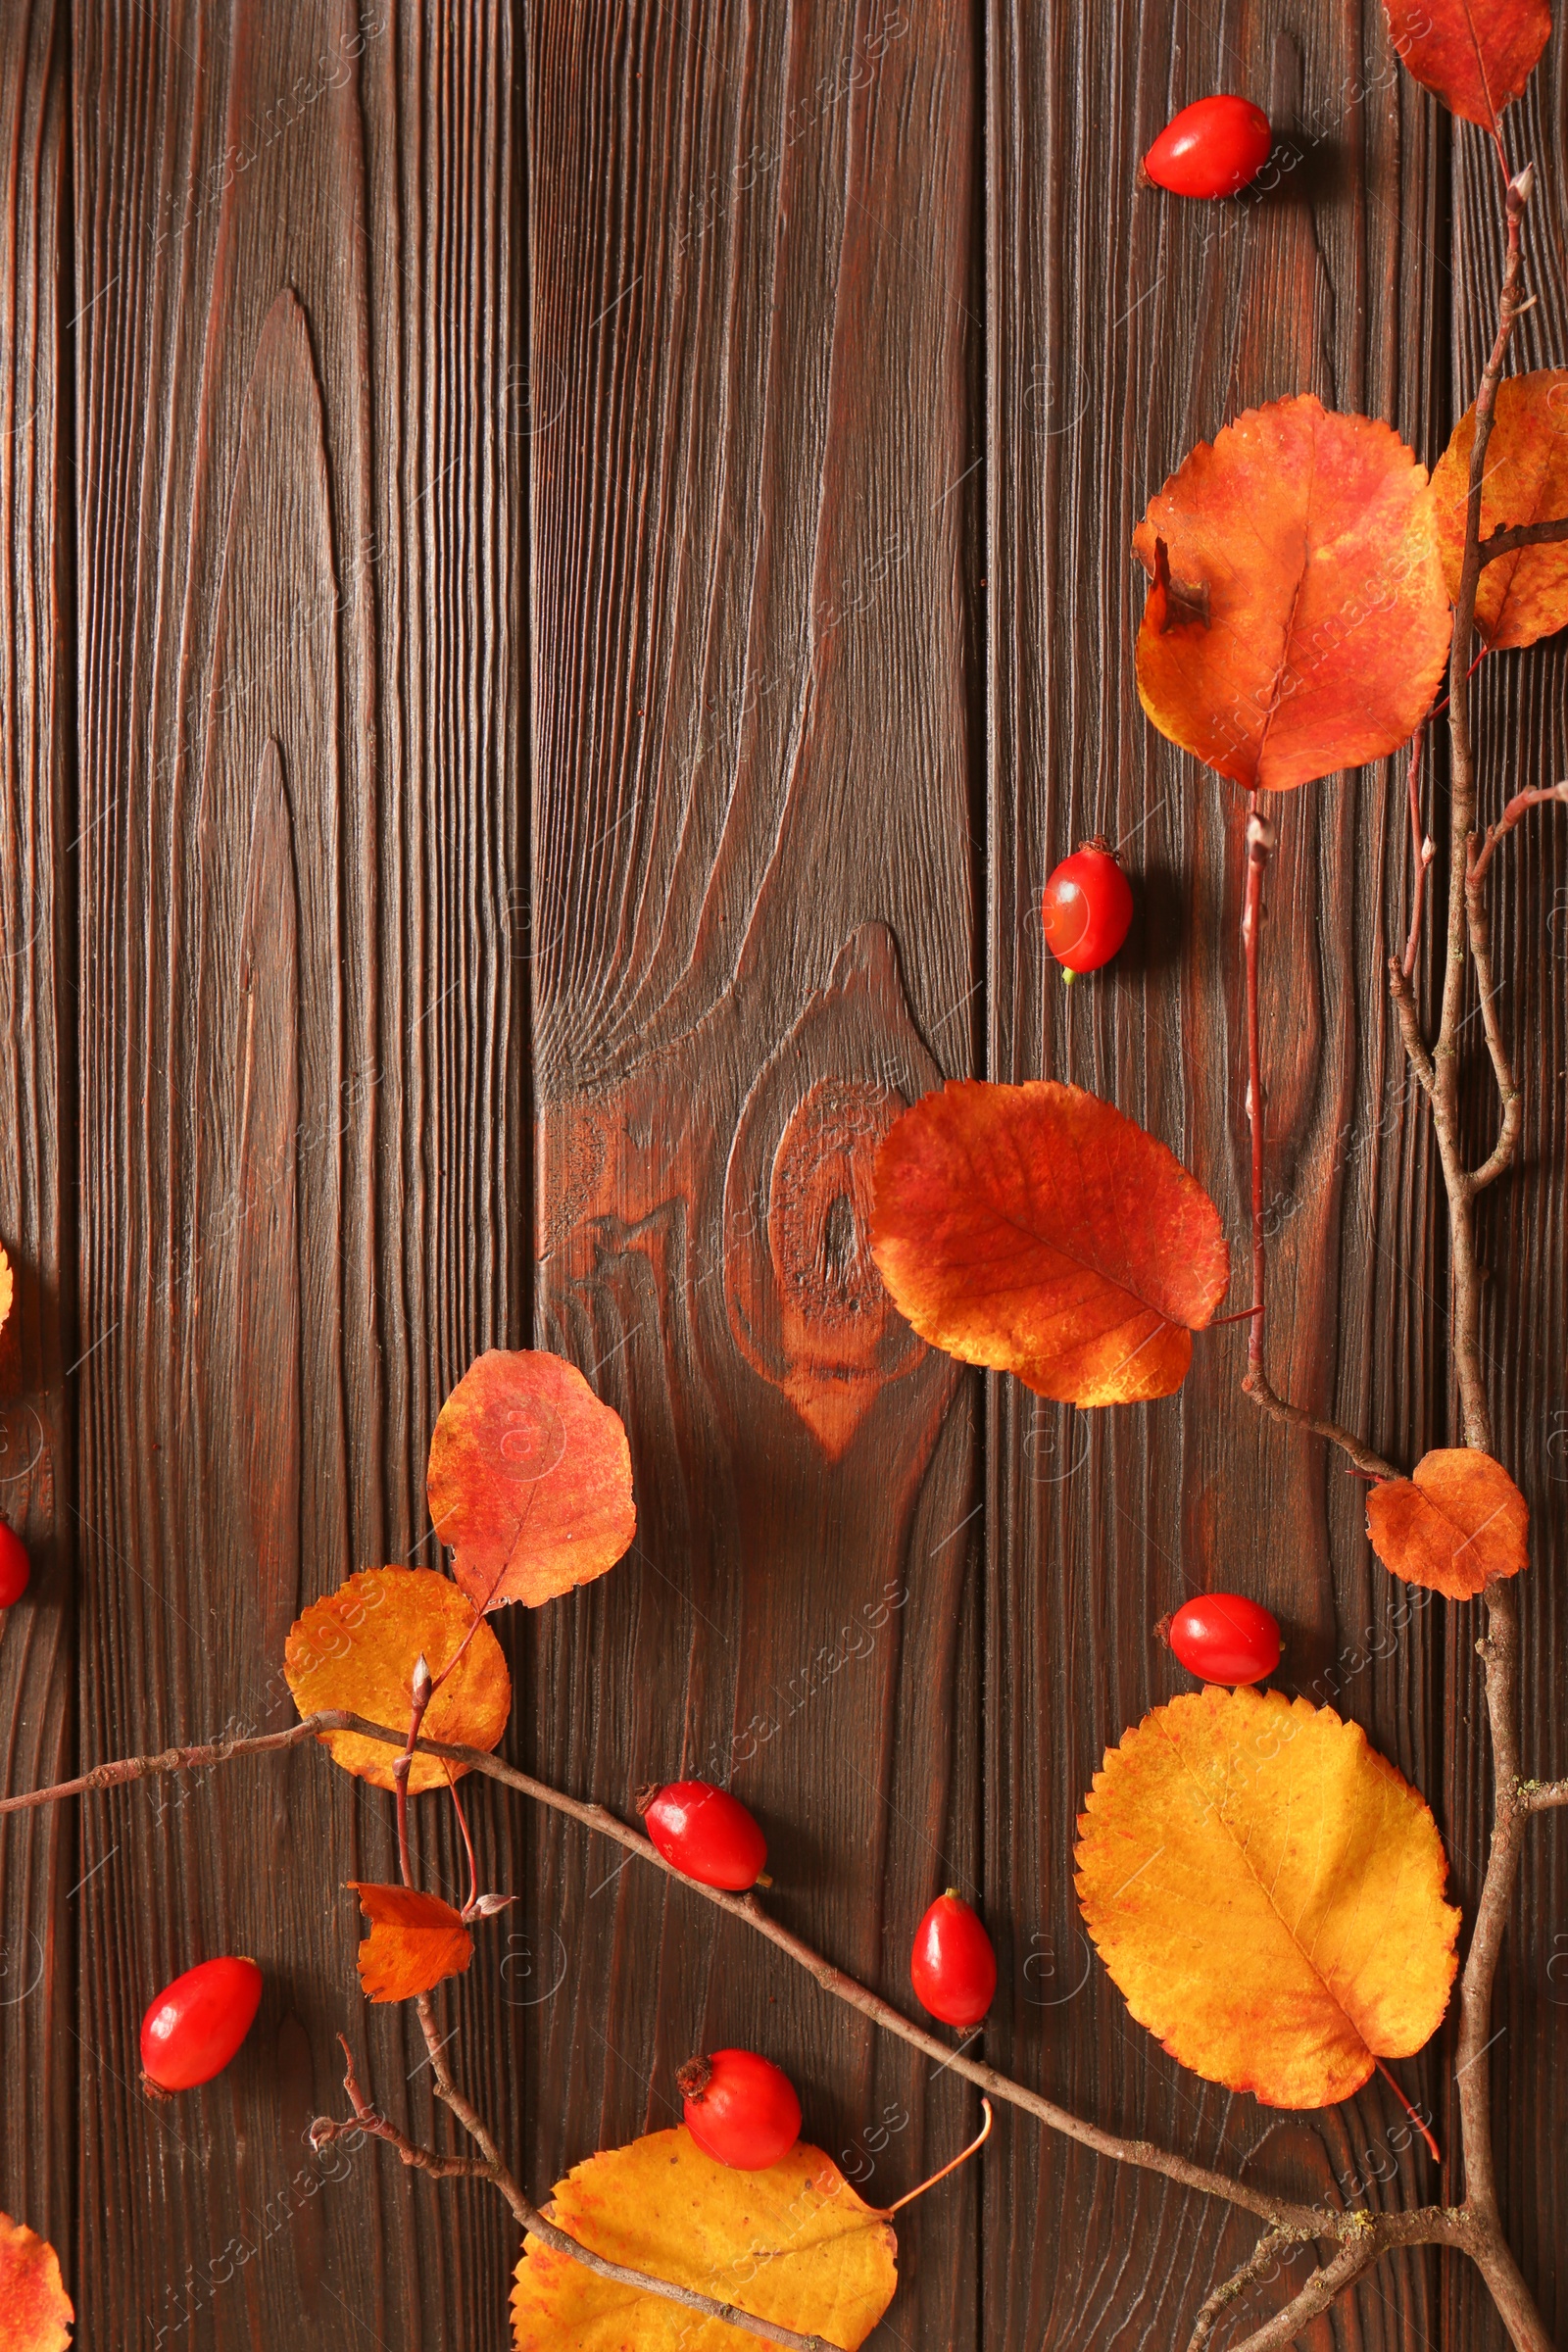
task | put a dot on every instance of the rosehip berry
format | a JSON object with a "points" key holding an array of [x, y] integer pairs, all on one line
{"points": [[1087, 907], [740, 2109], [196, 2025], [1211, 148], [1225, 1638], [704, 1834], [953, 1965], [14, 1568]]}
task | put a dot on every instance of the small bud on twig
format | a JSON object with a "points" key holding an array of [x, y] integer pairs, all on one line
{"points": [[1522, 187], [423, 1682], [486, 1906], [1260, 836]]}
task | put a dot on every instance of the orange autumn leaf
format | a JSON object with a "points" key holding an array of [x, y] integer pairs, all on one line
{"points": [[793, 2244], [1297, 622], [415, 1942], [1267, 1890], [1474, 54], [1524, 595], [35, 2311], [1456, 1523], [529, 1479], [7, 1287], [1034, 1229], [356, 1649]]}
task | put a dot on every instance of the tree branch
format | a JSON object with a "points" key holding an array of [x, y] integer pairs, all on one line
{"points": [[1519, 806], [1140, 2152], [1316, 2295]]}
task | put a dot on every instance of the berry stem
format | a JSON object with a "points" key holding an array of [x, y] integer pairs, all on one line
{"points": [[962, 2157], [1425, 2129]]}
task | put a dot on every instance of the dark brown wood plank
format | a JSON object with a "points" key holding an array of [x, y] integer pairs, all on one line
{"points": [[754, 329], [39, 1853], [1125, 327], [298, 516]]}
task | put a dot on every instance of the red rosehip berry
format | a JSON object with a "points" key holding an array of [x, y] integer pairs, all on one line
{"points": [[953, 1966], [1211, 148], [1087, 907], [196, 2025], [1224, 1638], [14, 1568], [704, 1834], [740, 2109]]}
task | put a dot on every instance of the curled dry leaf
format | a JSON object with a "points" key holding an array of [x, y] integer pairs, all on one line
{"points": [[357, 1649], [1455, 1525], [1474, 54], [416, 1940], [1297, 622], [1524, 595], [529, 1479], [35, 2311], [1267, 1890], [794, 2244], [1034, 1229]]}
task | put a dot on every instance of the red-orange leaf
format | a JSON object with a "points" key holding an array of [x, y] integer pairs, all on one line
{"points": [[1297, 622], [7, 1288], [1474, 54], [529, 1479], [1456, 1524], [357, 1648], [35, 2313], [1034, 1229], [1521, 596], [416, 1940]]}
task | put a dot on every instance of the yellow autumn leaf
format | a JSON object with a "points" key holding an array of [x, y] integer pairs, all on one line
{"points": [[356, 1649], [793, 2244], [1266, 1892], [35, 2313]]}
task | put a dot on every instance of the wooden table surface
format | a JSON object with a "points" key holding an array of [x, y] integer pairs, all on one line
{"points": [[563, 579]]}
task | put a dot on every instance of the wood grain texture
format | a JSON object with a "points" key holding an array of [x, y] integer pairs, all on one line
{"points": [[1124, 328], [733, 420], [38, 1868], [297, 514], [750, 255]]}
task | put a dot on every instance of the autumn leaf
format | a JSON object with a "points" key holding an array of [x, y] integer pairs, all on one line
{"points": [[357, 1648], [1474, 54], [1524, 595], [1034, 1229], [415, 1942], [793, 2244], [1267, 1890], [1455, 1525], [7, 1287], [1297, 622], [529, 1479], [35, 2311]]}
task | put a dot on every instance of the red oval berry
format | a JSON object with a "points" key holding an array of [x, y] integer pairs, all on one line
{"points": [[1226, 1638], [740, 2109], [1087, 907], [195, 2026], [705, 1834], [1211, 148], [14, 1567], [953, 1965]]}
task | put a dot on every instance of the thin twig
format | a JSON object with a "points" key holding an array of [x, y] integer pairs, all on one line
{"points": [[1226, 2293], [1422, 852], [1520, 805]]}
